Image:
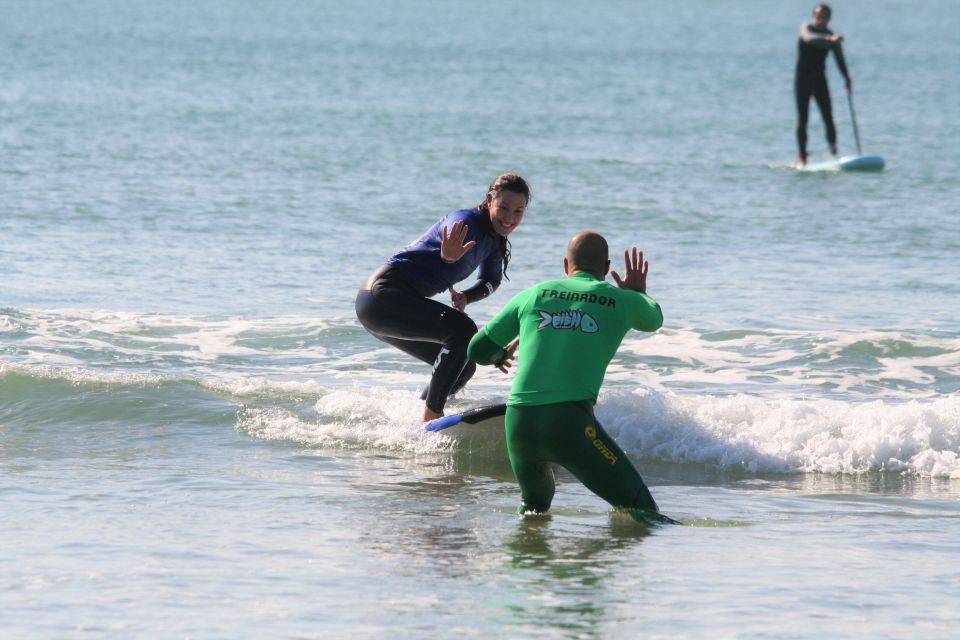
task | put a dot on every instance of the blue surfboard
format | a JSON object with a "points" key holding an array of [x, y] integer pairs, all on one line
{"points": [[475, 415]]}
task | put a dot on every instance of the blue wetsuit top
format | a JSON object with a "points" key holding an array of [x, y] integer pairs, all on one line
{"points": [[421, 264]]}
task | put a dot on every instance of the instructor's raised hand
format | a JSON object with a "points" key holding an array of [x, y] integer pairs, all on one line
{"points": [[635, 274], [452, 247], [509, 355]]}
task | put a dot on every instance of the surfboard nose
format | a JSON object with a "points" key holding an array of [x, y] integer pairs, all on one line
{"points": [[861, 163]]}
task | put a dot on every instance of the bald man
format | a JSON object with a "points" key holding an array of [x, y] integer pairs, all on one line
{"points": [[569, 331]]}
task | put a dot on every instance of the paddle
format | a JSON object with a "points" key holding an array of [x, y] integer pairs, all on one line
{"points": [[853, 117], [470, 416]]}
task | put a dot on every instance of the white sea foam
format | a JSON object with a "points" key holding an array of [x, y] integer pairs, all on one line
{"points": [[761, 401], [143, 335], [80, 375], [775, 363], [241, 386], [778, 435], [787, 364], [752, 434], [351, 419]]}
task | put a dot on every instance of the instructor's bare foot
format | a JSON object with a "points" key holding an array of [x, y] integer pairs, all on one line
{"points": [[429, 414]]}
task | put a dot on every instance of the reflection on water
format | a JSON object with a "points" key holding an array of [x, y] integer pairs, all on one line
{"points": [[877, 483], [565, 578]]}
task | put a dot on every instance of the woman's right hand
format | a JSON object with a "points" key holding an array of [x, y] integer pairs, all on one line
{"points": [[457, 299], [452, 247]]}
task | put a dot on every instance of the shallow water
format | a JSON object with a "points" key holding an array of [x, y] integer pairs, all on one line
{"points": [[197, 439]]}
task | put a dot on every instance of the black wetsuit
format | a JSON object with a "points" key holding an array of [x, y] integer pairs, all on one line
{"points": [[394, 305], [811, 80]]}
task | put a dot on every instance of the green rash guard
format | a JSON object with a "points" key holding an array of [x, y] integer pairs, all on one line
{"points": [[569, 331]]}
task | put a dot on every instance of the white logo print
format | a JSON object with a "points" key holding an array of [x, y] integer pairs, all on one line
{"points": [[568, 320], [436, 363]]}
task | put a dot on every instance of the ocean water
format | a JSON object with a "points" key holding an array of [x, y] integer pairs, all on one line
{"points": [[197, 439]]}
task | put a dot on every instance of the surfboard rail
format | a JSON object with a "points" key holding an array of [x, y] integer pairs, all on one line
{"points": [[861, 163], [845, 163]]}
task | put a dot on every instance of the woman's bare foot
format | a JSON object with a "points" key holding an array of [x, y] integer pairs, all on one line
{"points": [[429, 414]]}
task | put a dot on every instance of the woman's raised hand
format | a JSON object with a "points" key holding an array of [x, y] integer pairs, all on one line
{"points": [[452, 247]]}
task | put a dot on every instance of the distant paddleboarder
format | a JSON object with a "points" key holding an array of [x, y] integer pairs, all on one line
{"points": [[569, 331], [816, 42], [394, 305]]}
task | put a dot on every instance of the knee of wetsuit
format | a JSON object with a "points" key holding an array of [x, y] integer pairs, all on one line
{"points": [[462, 335], [458, 344], [361, 305]]}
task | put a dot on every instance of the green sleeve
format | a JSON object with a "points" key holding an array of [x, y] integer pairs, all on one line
{"points": [[646, 313], [486, 345], [483, 350]]}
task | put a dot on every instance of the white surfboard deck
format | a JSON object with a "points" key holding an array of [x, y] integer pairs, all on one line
{"points": [[843, 163]]}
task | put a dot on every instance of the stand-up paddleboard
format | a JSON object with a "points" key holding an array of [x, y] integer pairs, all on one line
{"points": [[844, 163], [858, 162], [477, 415]]}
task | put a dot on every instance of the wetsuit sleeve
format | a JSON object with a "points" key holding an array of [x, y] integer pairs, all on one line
{"points": [[646, 313], [819, 39], [483, 350], [480, 290], [488, 280], [841, 62]]}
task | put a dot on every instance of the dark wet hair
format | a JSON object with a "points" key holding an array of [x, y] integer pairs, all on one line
{"points": [[826, 8], [514, 183]]}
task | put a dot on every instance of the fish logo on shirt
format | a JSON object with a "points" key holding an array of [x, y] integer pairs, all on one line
{"points": [[568, 320]]}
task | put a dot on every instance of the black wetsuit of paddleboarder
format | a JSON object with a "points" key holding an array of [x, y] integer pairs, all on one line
{"points": [[811, 80]]}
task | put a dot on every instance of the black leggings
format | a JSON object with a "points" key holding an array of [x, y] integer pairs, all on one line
{"points": [[393, 311], [818, 89]]}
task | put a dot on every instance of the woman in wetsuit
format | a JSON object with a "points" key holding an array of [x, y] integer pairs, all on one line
{"points": [[816, 42], [395, 307]]}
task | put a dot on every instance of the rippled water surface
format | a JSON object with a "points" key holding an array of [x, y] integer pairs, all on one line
{"points": [[197, 439]]}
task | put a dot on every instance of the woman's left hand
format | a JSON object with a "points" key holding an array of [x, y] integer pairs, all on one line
{"points": [[458, 299]]}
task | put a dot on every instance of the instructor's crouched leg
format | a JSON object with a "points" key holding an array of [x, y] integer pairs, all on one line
{"points": [[604, 468], [569, 435], [535, 475]]}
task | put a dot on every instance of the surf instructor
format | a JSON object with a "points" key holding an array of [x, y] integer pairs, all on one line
{"points": [[395, 306], [569, 331], [816, 42]]}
